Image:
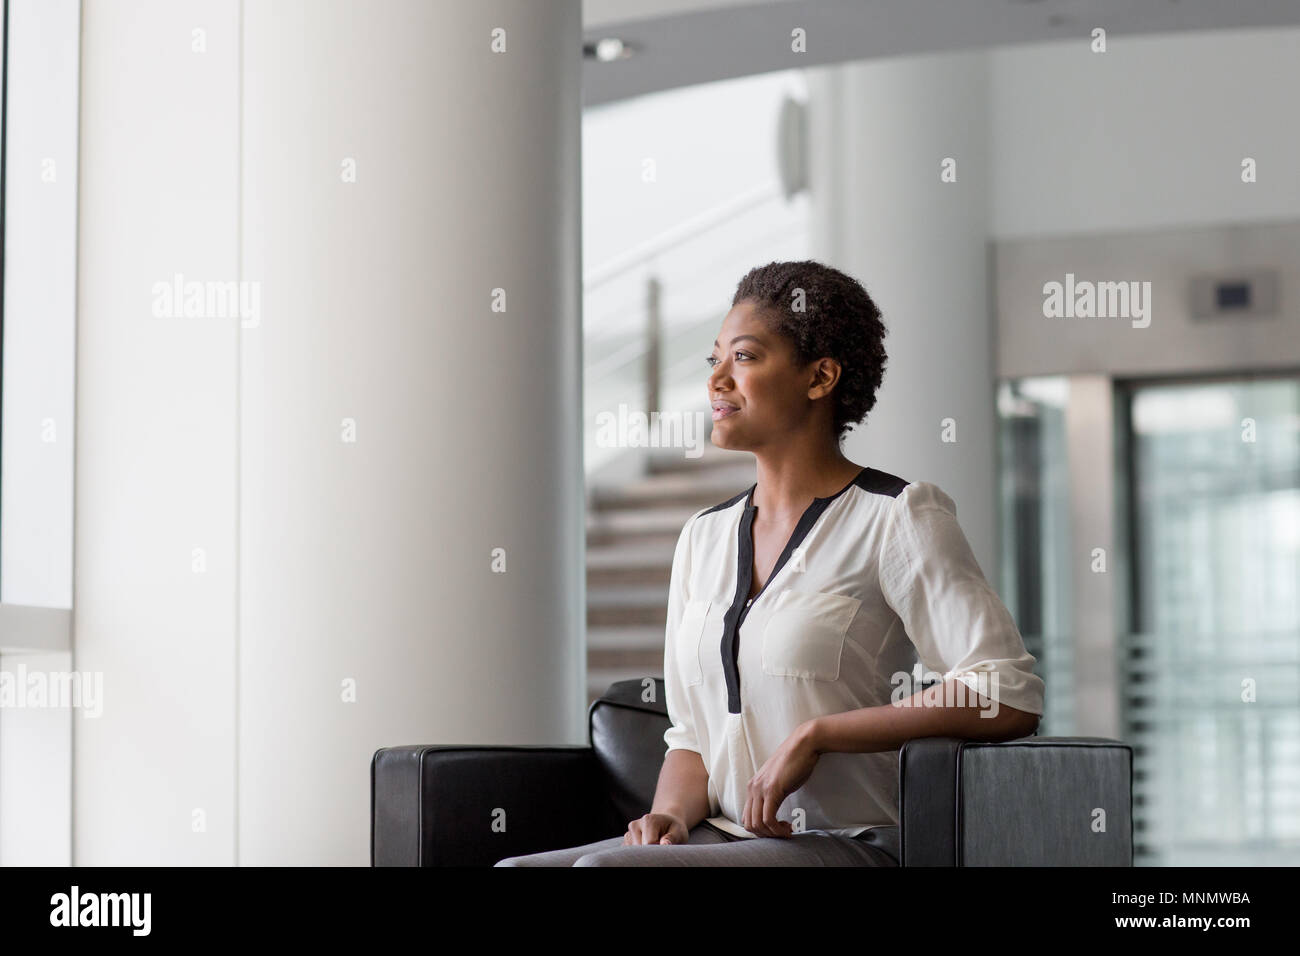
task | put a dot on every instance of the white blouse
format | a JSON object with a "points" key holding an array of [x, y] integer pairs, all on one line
{"points": [[876, 581]]}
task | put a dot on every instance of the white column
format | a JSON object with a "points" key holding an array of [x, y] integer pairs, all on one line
{"points": [[1094, 505], [371, 560], [880, 131], [354, 448]]}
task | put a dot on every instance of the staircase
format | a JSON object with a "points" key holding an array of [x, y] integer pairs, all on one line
{"points": [[631, 533]]}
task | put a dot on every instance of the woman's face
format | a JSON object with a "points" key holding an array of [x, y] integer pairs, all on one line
{"points": [[758, 395]]}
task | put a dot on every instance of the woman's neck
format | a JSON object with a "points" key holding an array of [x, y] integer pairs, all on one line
{"points": [[788, 482]]}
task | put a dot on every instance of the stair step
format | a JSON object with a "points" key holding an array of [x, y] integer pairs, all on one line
{"points": [[661, 462], [627, 615], [620, 562], [602, 578], [650, 540], [633, 637], [686, 489], [630, 555], [648, 662], [633, 596], [665, 520]]}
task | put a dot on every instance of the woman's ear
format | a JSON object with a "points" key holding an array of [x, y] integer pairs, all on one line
{"points": [[825, 374]]}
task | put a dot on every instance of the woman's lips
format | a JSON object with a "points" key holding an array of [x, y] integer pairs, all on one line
{"points": [[725, 411]]}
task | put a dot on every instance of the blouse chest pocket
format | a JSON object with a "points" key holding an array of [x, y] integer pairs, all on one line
{"points": [[804, 635], [687, 641]]}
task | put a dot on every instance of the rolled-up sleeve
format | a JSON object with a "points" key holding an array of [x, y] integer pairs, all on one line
{"points": [[681, 735], [954, 617]]}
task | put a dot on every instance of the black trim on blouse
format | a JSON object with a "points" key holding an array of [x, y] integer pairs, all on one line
{"points": [[868, 479]]}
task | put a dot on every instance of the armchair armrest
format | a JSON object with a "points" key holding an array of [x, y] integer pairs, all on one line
{"points": [[1036, 801], [471, 806]]}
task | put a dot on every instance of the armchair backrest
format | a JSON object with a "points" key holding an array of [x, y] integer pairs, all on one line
{"points": [[626, 726]]}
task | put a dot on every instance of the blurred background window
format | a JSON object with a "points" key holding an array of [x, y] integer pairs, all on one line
{"points": [[1215, 514]]}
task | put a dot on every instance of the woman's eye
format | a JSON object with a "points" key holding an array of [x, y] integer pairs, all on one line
{"points": [[713, 361]]}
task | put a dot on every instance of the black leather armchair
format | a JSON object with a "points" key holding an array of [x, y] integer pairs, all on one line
{"points": [[1036, 801]]}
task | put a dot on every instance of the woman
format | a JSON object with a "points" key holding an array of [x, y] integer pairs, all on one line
{"points": [[799, 608]]}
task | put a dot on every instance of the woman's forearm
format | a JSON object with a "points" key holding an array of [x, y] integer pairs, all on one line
{"points": [[683, 789], [889, 726]]}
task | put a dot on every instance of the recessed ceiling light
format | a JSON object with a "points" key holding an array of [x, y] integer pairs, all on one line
{"points": [[608, 49]]}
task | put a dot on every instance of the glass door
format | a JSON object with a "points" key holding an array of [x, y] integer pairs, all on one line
{"points": [[1211, 664]]}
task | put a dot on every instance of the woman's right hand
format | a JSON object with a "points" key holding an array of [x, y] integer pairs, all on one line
{"points": [[656, 828]]}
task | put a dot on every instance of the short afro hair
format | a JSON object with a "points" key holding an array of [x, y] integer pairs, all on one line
{"points": [[838, 320]]}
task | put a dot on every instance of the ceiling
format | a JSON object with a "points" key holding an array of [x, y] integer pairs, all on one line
{"points": [[684, 42], [598, 13]]}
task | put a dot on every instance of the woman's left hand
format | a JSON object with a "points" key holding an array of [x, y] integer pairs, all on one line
{"points": [[781, 775]]}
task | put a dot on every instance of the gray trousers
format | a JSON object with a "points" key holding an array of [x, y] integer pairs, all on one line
{"points": [[709, 846]]}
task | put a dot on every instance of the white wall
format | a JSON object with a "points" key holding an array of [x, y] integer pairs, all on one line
{"points": [[1169, 339], [1147, 135]]}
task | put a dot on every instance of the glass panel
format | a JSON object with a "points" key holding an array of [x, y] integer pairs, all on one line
{"points": [[1034, 570], [1212, 675]]}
